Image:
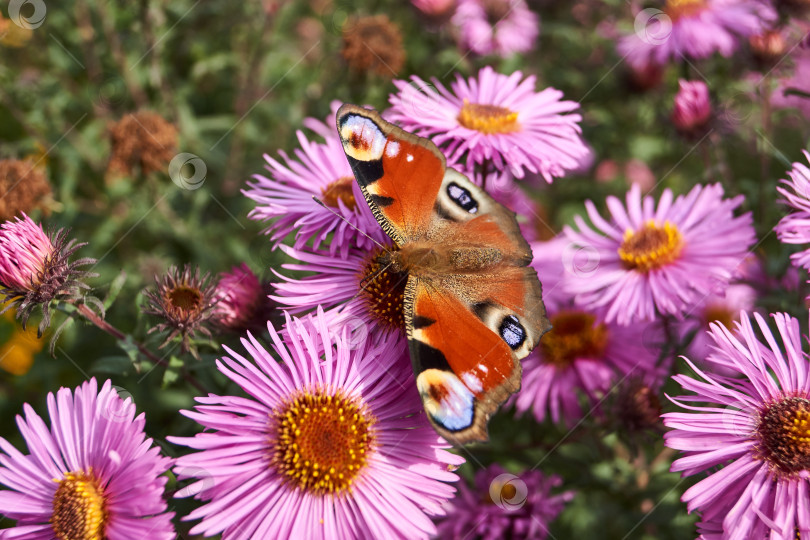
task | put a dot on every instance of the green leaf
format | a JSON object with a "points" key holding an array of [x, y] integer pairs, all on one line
{"points": [[115, 288], [113, 365], [172, 372]]}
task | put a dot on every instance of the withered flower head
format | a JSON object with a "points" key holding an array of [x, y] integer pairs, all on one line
{"points": [[35, 268], [637, 407], [373, 44], [23, 186], [184, 301], [143, 139]]}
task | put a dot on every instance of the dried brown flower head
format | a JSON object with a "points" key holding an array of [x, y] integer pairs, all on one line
{"points": [[373, 44], [23, 187], [141, 140], [184, 300]]}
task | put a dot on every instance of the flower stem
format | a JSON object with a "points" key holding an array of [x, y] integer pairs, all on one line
{"points": [[88, 314]]}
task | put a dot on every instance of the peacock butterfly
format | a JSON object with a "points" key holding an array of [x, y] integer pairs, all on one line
{"points": [[473, 307]]}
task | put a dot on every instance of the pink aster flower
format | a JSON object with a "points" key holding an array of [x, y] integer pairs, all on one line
{"points": [[693, 109], [723, 309], [792, 91], [795, 228], [330, 443], [241, 300], [500, 27], [35, 268], [496, 120], [318, 170], [749, 434], [503, 505], [693, 29], [92, 474], [358, 290], [581, 354], [660, 260]]}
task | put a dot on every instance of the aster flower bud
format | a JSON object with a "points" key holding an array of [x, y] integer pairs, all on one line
{"points": [[373, 44], [143, 140], [184, 300], [240, 300], [692, 110], [35, 268]]}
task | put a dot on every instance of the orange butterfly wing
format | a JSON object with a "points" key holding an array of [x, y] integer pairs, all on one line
{"points": [[468, 324]]}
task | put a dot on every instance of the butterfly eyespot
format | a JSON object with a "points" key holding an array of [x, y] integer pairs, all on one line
{"points": [[512, 331], [462, 197]]}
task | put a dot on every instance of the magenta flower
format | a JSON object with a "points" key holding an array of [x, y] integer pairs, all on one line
{"points": [[795, 228], [330, 443], [693, 29], [318, 170], [494, 119], [749, 434], [659, 260], [501, 28], [581, 353], [239, 299], [35, 269], [92, 474], [692, 110], [503, 505]]}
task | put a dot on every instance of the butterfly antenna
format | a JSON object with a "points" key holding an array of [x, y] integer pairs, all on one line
{"points": [[350, 224]]}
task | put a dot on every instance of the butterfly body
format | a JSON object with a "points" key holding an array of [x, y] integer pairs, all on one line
{"points": [[472, 306]]}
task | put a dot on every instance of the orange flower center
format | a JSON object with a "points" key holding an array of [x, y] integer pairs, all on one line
{"points": [[683, 8], [384, 290], [651, 246], [784, 435], [79, 508], [322, 441], [573, 334], [489, 119], [185, 298], [340, 189]]}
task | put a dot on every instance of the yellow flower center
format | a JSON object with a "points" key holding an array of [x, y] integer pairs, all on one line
{"points": [[719, 314], [340, 189], [79, 509], [783, 431], [573, 334], [383, 289], [683, 8], [322, 441], [651, 246], [488, 119]]}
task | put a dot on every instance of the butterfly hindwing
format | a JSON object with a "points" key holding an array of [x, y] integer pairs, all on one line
{"points": [[399, 173], [466, 345]]}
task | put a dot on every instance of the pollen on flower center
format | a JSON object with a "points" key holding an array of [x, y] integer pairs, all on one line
{"points": [[79, 508], [185, 298], [340, 189], [784, 435], [573, 334], [683, 8], [322, 441], [383, 289], [651, 246], [489, 119]]}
